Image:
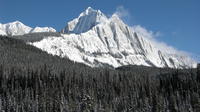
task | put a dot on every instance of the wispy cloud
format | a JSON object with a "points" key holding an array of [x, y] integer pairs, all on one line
{"points": [[124, 14], [158, 34], [150, 35]]}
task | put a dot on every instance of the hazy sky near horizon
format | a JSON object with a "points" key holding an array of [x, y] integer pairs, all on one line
{"points": [[176, 22]]}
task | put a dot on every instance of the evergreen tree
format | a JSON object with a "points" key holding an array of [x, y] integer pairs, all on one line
{"points": [[198, 72]]}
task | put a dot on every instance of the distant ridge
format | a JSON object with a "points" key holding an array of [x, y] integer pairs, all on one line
{"points": [[18, 28]]}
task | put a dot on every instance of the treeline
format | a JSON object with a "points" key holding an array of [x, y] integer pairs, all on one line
{"points": [[34, 37], [16, 53]]}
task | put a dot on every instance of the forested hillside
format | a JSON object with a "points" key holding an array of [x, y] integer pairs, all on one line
{"points": [[33, 81], [16, 53]]}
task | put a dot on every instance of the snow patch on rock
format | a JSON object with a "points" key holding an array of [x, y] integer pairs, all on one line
{"points": [[95, 40]]}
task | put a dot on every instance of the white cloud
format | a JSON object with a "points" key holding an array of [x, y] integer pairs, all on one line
{"points": [[124, 14], [146, 33], [158, 34], [151, 36]]}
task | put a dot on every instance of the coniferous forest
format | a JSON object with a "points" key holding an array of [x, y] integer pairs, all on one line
{"points": [[33, 81]]}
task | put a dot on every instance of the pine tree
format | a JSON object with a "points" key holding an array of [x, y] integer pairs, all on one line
{"points": [[173, 104], [195, 101], [198, 72]]}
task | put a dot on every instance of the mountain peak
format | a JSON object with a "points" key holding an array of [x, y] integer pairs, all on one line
{"points": [[15, 28], [18, 28], [96, 40], [90, 9], [14, 23], [86, 20], [17, 22]]}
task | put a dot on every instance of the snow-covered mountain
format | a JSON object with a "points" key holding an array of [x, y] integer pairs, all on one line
{"points": [[18, 28], [42, 29], [2, 32], [97, 40], [85, 21], [15, 28]]}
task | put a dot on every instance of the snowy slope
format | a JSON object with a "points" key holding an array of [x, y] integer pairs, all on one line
{"points": [[96, 40], [15, 28], [2, 32], [85, 21], [42, 29], [18, 28]]}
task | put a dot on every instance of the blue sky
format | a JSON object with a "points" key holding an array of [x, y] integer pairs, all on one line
{"points": [[177, 21]]}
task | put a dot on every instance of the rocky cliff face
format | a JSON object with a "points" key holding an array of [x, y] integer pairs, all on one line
{"points": [[97, 40]]}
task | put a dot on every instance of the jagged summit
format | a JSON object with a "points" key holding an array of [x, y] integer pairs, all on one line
{"points": [[89, 10], [95, 40], [86, 20]]}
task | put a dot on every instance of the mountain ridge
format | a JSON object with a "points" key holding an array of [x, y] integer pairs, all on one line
{"points": [[97, 40], [18, 28], [109, 41], [86, 20]]}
